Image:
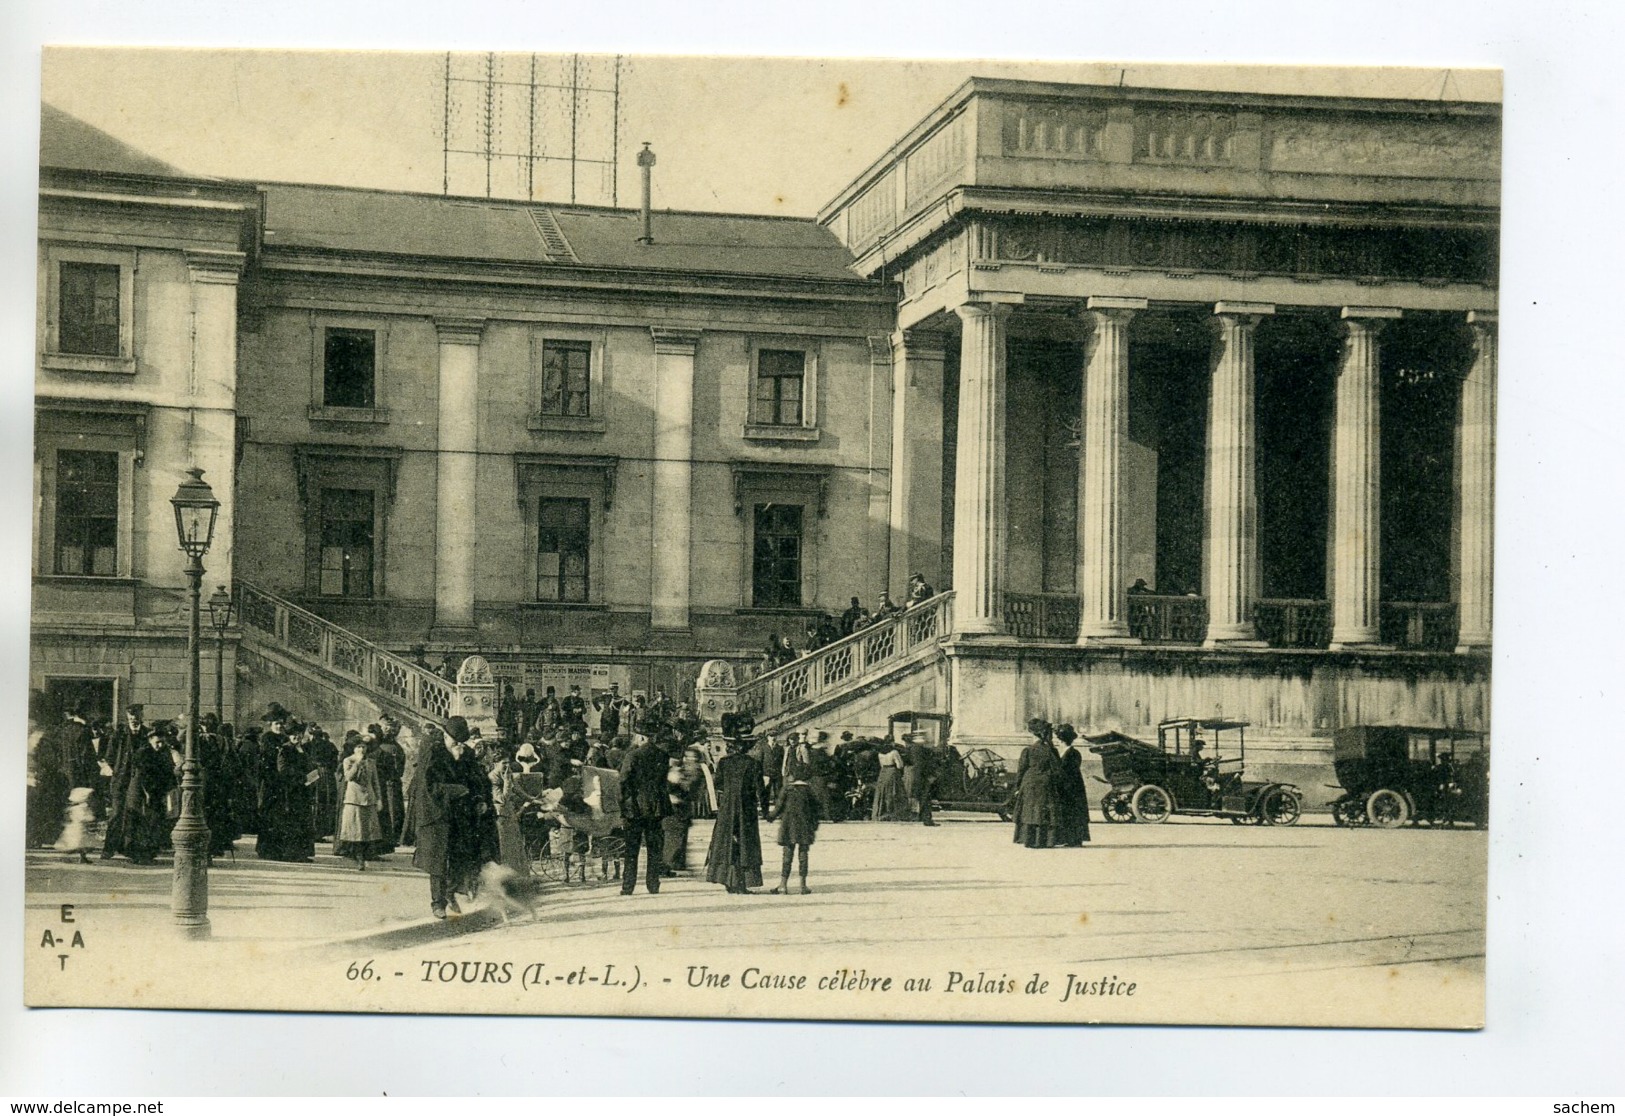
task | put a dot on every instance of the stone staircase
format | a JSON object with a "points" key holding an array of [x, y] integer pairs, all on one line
{"points": [[855, 682], [322, 671]]}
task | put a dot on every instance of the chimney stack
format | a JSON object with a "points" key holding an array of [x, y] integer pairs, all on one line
{"points": [[646, 160]]}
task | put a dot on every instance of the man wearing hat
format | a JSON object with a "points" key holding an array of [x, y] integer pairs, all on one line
{"points": [[645, 801], [129, 736], [923, 758]]}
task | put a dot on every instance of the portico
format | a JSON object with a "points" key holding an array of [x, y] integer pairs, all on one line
{"points": [[1217, 370]]}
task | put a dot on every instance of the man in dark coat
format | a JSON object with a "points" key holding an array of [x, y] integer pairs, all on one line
{"points": [[923, 758], [65, 760], [437, 797], [573, 709], [127, 738], [645, 800], [391, 760]]}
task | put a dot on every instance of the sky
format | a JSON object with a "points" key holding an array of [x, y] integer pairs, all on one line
{"points": [[753, 135]]}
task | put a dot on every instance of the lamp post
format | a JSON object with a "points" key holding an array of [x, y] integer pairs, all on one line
{"points": [[195, 511], [220, 610]]}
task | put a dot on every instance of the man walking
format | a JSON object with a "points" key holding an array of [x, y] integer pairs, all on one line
{"points": [[645, 801]]}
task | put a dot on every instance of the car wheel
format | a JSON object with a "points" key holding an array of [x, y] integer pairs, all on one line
{"points": [[1388, 809], [1151, 804], [1115, 807], [1280, 807], [1348, 811]]}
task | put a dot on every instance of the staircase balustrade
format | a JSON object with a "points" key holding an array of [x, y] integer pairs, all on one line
{"points": [[853, 658], [304, 636]]}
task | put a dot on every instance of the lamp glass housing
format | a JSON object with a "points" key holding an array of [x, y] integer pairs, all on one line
{"points": [[195, 512]]}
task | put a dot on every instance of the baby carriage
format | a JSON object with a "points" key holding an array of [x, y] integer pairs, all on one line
{"points": [[577, 823]]}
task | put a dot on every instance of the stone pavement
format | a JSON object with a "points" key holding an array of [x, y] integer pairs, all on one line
{"points": [[1309, 923]]}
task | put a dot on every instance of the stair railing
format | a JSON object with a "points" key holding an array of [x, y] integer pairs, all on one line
{"points": [[301, 634], [850, 659]]}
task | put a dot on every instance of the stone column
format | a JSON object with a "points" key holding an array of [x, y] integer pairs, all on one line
{"points": [[979, 471], [1103, 604], [916, 458], [1357, 479], [671, 536], [1475, 486], [456, 482], [1232, 493]]}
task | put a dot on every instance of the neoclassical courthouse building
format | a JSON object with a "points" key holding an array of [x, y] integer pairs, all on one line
{"points": [[1183, 401]]}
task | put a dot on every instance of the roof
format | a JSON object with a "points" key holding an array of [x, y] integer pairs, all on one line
{"points": [[69, 143], [340, 219], [1214, 724]]}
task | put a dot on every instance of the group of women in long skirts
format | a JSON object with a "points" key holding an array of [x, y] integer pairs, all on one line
{"points": [[1052, 805]]}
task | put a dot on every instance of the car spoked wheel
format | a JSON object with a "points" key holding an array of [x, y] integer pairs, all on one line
{"points": [[1349, 812], [1151, 804], [1280, 807], [1115, 807], [1388, 809]]}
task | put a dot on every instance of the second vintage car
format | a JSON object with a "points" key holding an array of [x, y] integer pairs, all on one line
{"points": [[1196, 767]]}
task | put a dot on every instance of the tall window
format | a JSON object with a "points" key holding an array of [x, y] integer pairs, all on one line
{"points": [[347, 542], [776, 566], [562, 550], [86, 513], [566, 378], [89, 309], [349, 364], [781, 375]]}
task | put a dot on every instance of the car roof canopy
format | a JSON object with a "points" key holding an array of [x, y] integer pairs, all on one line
{"points": [[1213, 724]]}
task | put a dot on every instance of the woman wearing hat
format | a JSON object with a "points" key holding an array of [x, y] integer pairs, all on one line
{"points": [[1072, 799], [735, 857], [1037, 777]]}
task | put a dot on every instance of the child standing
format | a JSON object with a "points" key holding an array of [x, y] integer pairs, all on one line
{"points": [[797, 810], [81, 832]]}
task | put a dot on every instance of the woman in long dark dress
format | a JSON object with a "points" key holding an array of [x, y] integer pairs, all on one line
{"points": [[735, 857], [1073, 826], [287, 824], [1037, 804], [146, 795]]}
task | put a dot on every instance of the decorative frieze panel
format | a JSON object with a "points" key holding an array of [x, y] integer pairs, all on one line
{"points": [[1428, 149], [945, 258], [935, 161], [1200, 138], [1454, 255], [1054, 131]]}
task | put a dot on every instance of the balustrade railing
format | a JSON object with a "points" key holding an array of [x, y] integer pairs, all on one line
{"points": [[306, 636], [1157, 618], [1419, 625], [1041, 616], [847, 660], [1293, 622]]}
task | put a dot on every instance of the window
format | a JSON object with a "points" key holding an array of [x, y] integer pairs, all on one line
{"points": [[776, 564], [562, 550], [780, 379], [346, 561], [88, 302], [87, 513], [566, 378], [349, 366]]}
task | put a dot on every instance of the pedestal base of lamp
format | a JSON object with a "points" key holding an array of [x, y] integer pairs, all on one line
{"points": [[189, 899]]}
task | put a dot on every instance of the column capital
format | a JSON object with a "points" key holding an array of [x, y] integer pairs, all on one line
{"points": [[987, 305], [1113, 302], [1371, 313], [209, 266], [1226, 308], [675, 342], [919, 343], [459, 331]]}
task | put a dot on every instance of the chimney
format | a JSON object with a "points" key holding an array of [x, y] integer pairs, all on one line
{"points": [[646, 159]]}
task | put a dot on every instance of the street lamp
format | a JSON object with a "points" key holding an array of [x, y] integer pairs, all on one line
{"points": [[220, 609], [195, 511]]}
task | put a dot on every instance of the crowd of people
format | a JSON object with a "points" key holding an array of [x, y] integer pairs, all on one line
{"points": [[463, 802], [824, 629]]}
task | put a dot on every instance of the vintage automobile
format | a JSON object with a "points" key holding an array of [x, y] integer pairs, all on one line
{"points": [[1392, 775], [978, 780], [1196, 767]]}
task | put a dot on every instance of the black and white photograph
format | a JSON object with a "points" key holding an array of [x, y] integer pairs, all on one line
{"points": [[506, 543]]}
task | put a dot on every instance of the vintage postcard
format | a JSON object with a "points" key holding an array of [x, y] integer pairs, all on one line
{"points": [[748, 538]]}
